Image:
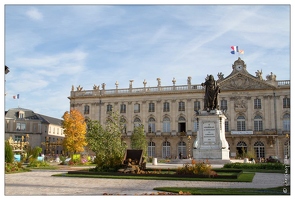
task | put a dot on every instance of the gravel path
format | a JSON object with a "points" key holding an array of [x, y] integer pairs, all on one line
{"points": [[40, 182]]}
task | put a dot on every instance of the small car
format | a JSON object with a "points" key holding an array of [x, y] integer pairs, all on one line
{"points": [[272, 159]]}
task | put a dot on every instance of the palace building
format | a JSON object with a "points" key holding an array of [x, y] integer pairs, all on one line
{"points": [[257, 113]]}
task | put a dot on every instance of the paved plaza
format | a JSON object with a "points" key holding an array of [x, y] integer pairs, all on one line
{"points": [[41, 182]]}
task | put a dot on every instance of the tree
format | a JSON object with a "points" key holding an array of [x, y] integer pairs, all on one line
{"points": [[9, 155], [74, 126], [106, 142], [138, 139]]}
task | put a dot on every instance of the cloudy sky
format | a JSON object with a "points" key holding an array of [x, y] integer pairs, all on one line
{"points": [[49, 48]]}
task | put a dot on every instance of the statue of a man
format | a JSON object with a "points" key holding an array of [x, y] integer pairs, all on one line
{"points": [[211, 94]]}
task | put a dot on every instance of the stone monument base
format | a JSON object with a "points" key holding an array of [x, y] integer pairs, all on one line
{"points": [[211, 143]]}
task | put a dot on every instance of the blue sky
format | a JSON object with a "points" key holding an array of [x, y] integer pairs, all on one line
{"points": [[49, 48]]}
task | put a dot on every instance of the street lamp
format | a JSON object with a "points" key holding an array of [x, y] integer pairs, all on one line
{"points": [[189, 146]]}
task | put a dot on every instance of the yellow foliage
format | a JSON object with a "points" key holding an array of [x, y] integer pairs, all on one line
{"points": [[75, 131]]}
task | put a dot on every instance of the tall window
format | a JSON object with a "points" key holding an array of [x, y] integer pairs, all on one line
{"points": [[226, 126], [197, 105], [136, 108], [86, 109], [137, 122], [151, 107], [166, 107], [181, 106], [20, 126], [287, 149], [286, 102], [223, 104], [123, 108], [123, 122], [182, 148], [241, 148], [257, 103], [259, 149], [166, 149], [286, 122], [196, 125], [109, 108], [166, 125], [241, 123], [181, 124], [151, 149], [151, 125], [258, 123]]}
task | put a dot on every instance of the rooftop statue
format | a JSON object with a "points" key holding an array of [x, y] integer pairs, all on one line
{"points": [[212, 91]]}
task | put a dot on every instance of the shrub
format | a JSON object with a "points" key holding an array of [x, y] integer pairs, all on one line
{"points": [[37, 163], [13, 167], [196, 168]]}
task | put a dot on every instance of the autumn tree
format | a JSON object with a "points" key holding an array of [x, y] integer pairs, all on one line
{"points": [[74, 126], [106, 142], [138, 139]]}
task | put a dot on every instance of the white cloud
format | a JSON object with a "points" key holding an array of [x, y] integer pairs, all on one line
{"points": [[34, 14]]}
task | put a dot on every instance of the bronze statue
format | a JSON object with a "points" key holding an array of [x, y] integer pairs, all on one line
{"points": [[211, 94]]}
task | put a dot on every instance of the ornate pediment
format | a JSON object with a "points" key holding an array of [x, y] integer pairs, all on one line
{"points": [[242, 81]]}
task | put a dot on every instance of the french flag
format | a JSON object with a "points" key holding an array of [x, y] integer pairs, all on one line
{"points": [[16, 96], [234, 49]]}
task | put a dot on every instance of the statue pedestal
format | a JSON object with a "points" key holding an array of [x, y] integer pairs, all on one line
{"points": [[211, 143]]}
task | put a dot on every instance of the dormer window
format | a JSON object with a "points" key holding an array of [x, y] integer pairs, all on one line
{"points": [[21, 115]]}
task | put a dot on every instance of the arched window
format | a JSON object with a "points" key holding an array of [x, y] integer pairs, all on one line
{"points": [[286, 122], [151, 149], [181, 124], [258, 123], [241, 123], [182, 148], [137, 122], [151, 125], [259, 149], [241, 148], [166, 125], [166, 149]]}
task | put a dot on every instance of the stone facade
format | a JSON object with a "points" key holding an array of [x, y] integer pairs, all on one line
{"points": [[24, 122], [257, 112]]}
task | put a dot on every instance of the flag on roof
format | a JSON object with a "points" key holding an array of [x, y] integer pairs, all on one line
{"points": [[241, 51], [16, 96], [234, 49]]}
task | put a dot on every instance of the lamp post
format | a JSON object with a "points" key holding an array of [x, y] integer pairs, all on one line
{"points": [[19, 145], [189, 146], [50, 147]]}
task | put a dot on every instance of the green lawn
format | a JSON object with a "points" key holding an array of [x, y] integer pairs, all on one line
{"points": [[244, 177]]}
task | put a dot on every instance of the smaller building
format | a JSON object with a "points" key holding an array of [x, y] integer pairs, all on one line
{"points": [[36, 129]]}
